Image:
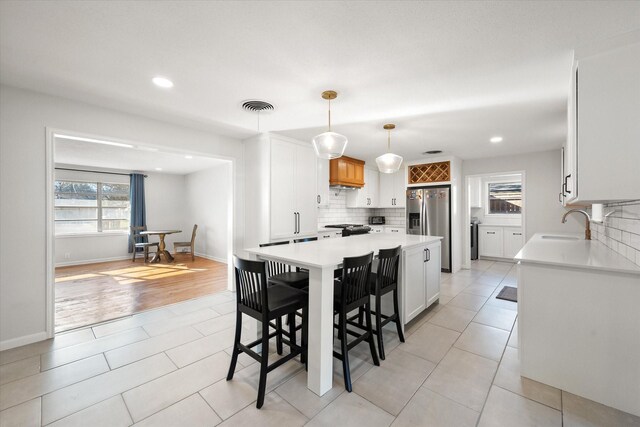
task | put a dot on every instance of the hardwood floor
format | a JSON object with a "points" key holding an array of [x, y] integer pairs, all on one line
{"points": [[92, 293]]}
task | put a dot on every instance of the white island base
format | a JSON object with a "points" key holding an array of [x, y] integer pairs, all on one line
{"points": [[418, 288], [579, 325]]}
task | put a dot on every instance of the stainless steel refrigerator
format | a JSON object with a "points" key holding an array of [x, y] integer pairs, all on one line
{"points": [[429, 214]]}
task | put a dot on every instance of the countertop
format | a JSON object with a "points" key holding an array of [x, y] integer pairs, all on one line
{"points": [[580, 253], [330, 252]]}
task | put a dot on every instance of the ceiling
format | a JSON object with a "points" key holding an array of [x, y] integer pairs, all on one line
{"points": [[87, 154], [449, 74]]}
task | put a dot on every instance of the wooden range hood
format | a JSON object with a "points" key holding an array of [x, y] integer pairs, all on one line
{"points": [[346, 172]]}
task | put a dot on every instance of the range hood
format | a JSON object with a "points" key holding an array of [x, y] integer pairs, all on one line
{"points": [[346, 173]]}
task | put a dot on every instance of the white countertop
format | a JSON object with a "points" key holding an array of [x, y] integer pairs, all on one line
{"points": [[588, 254], [330, 252]]}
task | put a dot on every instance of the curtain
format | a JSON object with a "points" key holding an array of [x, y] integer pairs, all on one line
{"points": [[136, 196]]}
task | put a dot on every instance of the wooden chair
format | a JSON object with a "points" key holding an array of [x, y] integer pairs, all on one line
{"points": [[265, 303], [134, 234], [385, 280], [351, 292], [189, 245]]}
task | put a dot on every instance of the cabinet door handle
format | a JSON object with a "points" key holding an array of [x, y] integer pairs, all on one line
{"points": [[295, 223], [491, 232], [424, 255], [560, 197], [566, 178], [298, 222], [428, 255], [318, 198], [517, 234]]}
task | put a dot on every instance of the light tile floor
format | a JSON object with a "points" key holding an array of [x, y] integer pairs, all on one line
{"points": [[166, 367]]}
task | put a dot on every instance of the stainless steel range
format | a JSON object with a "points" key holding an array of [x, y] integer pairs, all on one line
{"points": [[351, 229]]}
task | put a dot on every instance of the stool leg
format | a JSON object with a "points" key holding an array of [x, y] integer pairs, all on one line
{"points": [[345, 352], [395, 307], [372, 346], [379, 326], [305, 337], [291, 320], [279, 335], [236, 349], [264, 360]]}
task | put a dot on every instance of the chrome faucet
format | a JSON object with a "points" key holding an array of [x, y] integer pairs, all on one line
{"points": [[587, 230]]}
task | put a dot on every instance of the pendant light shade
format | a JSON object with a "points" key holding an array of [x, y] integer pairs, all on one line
{"points": [[329, 145], [389, 162]]}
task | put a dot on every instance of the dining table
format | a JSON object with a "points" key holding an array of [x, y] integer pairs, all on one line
{"points": [[321, 258], [162, 249]]}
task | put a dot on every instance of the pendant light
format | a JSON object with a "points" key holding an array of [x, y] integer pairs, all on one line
{"points": [[389, 163], [329, 145]]}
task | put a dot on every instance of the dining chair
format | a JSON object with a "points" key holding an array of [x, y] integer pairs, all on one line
{"points": [[190, 245], [265, 303], [351, 292], [134, 235]]}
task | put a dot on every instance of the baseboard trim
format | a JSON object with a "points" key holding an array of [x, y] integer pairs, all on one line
{"points": [[24, 340], [212, 258], [93, 261]]}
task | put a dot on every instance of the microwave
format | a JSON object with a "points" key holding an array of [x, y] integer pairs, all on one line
{"points": [[376, 220]]}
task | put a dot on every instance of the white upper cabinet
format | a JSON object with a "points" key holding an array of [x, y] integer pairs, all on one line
{"points": [[603, 149], [392, 190], [322, 198], [475, 192], [293, 190], [367, 196]]}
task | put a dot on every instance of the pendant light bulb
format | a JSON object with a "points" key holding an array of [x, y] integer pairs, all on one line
{"points": [[329, 145], [389, 162]]}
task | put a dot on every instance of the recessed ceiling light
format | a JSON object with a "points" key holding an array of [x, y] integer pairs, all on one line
{"points": [[158, 169], [95, 141], [162, 82], [188, 157], [495, 139]]}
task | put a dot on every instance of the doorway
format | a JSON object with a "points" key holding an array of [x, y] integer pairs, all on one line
{"points": [[92, 277], [495, 216]]}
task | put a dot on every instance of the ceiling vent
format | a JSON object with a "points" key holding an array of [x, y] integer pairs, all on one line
{"points": [[257, 106], [433, 152]]}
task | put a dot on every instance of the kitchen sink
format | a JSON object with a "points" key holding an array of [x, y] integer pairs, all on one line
{"points": [[552, 237]]}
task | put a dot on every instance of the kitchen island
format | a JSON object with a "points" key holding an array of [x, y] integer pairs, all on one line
{"points": [[419, 285], [578, 319]]}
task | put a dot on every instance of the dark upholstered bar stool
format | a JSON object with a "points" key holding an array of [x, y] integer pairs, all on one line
{"points": [[351, 292], [282, 274], [265, 303], [385, 280]]}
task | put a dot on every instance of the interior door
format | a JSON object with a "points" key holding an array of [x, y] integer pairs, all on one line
{"points": [[305, 190], [283, 219]]}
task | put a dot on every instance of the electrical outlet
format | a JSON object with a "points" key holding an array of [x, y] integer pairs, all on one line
{"points": [[67, 255]]}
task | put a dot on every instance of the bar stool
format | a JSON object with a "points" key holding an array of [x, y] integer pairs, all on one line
{"points": [[281, 274], [385, 280], [265, 303], [352, 292]]}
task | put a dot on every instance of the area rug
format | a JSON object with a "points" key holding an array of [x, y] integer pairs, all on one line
{"points": [[508, 293]]}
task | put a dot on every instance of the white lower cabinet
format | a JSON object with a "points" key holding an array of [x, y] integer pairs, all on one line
{"points": [[499, 241], [420, 284]]}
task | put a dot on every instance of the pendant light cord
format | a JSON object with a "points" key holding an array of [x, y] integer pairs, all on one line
{"points": [[329, 115], [389, 141]]}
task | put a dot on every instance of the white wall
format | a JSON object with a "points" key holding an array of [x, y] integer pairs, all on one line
{"points": [[165, 201], [24, 118], [543, 212], [207, 200]]}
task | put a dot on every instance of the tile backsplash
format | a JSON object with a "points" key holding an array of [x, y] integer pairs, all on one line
{"points": [[338, 213], [621, 230]]}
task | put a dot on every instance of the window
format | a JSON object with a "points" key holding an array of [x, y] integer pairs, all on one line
{"points": [[505, 198], [91, 207]]}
